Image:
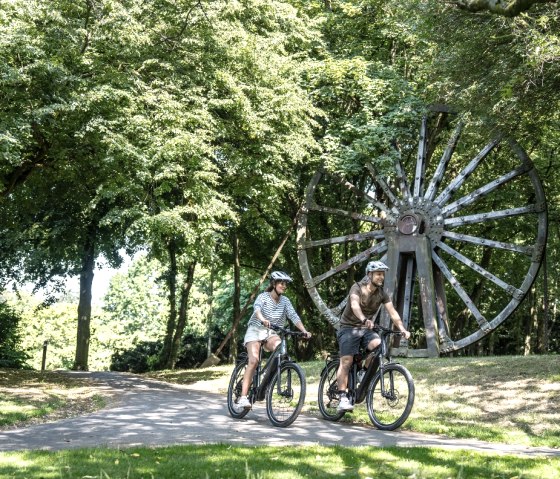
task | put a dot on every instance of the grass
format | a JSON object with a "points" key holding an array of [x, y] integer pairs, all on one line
{"points": [[514, 400], [30, 397], [223, 461], [508, 399]]}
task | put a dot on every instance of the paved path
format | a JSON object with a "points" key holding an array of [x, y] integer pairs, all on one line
{"points": [[154, 413]]}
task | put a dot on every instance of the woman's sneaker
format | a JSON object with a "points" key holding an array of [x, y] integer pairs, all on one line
{"points": [[344, 404], [243, 403]]}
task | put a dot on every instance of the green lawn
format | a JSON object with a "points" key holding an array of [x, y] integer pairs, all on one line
{"points": [[514, 400], [509, 399], [223, 461]]}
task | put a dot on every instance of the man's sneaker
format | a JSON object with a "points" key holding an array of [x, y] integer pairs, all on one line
{"points": [[344, 404], [243, 403]]}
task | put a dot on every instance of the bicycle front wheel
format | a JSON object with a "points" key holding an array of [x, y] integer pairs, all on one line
{"points": [[285, 395], [329, 397], [390, 397], [234, 390]]}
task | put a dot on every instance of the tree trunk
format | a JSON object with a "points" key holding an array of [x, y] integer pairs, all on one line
{"points": [[542, 331], [530, 320], [172, 319], [84, 305], [182, 319], [236, 297], [210, 310]]}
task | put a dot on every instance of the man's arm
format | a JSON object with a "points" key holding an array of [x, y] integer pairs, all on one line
{"points": [[356, 308], [395, 317]]}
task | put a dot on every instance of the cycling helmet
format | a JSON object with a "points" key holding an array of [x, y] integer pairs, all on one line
{"points": [[376, 266], [280, 276]]}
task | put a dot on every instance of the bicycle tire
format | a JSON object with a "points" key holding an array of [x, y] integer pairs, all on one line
{"points": [[388, 412], [329, 397], [234, 390], [283, 408]]}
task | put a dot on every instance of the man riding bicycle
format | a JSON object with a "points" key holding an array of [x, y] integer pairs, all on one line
{"points": [[356, 323]]}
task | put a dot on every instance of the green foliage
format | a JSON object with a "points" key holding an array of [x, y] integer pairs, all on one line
{"points": [[178, 126], [54, 324], [11, 353], [370, 106], [134, 308], [139, 359]]}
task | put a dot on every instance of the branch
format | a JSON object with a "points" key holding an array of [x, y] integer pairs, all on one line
{"points": [[506, 8]]}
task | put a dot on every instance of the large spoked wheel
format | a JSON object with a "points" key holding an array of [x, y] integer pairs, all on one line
{"points": [[234, 391], [285, 395], [460, 220], [329, 396], [389, 404]]}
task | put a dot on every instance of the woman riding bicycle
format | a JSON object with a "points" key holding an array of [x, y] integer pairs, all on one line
{"points": [[270, 308], [365, 299]]}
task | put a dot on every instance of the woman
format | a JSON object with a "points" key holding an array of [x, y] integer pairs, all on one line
{"points": [[271, 308]]}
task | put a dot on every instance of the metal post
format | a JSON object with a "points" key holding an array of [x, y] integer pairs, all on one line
{"points": [[44, 356]]}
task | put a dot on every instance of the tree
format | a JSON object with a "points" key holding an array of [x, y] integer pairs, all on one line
{"points": [[506, 8]]}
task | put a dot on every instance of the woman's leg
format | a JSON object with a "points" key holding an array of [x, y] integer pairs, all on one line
{"points": [[253, 348]]}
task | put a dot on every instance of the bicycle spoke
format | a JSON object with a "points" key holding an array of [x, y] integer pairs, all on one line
{"points": [[285, 395], [390, 397], [328, 393], [234, 391]]}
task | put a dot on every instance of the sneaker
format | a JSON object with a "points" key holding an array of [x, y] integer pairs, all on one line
{"points": [[344, 404], [243, 403]]}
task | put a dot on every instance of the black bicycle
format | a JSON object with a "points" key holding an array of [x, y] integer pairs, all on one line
{"points": [[280, 380], [386, 386]]}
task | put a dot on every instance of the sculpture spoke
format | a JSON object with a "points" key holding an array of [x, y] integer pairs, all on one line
{"points": [[363, 256], [483, 191], [492, 215], [467, 171], [480, 319], [480, 270]]}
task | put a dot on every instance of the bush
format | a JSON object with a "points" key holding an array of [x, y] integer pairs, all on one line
{"points": [[11, 356], [140, 359]]}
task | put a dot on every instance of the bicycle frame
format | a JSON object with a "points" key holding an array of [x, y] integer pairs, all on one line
{"points": [[380, 358], [271, 369]]}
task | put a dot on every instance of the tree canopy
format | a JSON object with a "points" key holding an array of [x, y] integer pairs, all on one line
{"points": [[191, 130]]}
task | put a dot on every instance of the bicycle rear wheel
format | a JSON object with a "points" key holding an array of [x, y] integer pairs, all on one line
{"points": [[234, 390], [285, 395], [389, 408], [329, 397]]}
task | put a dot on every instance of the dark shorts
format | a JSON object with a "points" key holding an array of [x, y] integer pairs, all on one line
{"points": [[350, 340]]}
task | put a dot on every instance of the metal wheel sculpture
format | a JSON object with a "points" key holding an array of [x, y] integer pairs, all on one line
{"points": [[464, 241]]}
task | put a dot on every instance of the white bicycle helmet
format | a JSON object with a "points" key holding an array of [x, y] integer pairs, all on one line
{"points": [[280, 276], [376, 266]]}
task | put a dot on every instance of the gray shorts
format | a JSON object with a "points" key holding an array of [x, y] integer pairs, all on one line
{"points": [[351, 339]]}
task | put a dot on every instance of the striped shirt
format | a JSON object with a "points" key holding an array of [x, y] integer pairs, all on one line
{"points": [[276, 313]]}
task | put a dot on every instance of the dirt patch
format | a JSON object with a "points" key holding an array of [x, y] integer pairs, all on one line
{"points": [[49, 396]]}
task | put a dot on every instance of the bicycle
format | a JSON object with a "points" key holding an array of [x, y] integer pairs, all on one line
{"points": [[386, 386], [281, 381]]}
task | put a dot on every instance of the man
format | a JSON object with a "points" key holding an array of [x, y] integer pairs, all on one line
{"points": [[356, 323]]}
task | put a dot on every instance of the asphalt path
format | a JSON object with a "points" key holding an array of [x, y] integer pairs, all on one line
{"points": [[153, 413]]}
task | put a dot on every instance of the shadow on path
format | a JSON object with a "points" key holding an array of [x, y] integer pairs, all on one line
{"points": [[153, 413]]}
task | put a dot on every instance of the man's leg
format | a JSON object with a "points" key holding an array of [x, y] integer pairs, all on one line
{"points": [[374, 341]]}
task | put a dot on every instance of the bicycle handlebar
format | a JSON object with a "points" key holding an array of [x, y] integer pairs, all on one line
{"points": [[386, 331], [286, 331]]}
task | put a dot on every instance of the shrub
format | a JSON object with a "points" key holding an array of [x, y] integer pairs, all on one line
{"points": [[11, 356], [141, 358]]}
